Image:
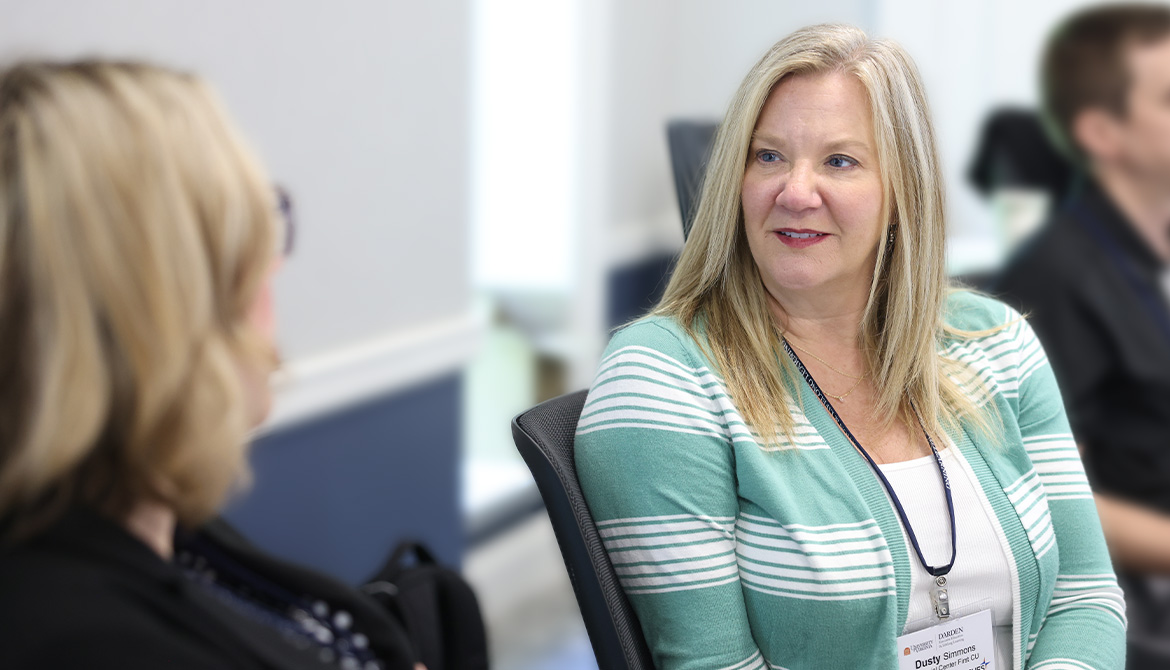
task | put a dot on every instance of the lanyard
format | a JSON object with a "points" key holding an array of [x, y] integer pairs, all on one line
{"points": [[1155, 306], [939, 596]]}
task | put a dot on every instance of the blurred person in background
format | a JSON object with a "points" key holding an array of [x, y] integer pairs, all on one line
{"points": [[814, 453], [138, 239], [1096, 279]]}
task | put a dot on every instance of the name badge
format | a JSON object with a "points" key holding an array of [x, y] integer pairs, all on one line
{"points": [[959, 644]]}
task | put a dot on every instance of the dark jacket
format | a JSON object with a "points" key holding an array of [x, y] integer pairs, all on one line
{"points": [[87, 594], [1091, 288]]}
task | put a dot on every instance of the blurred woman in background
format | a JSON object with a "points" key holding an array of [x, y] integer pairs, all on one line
{"points": [[814, 454], [138, 238]]}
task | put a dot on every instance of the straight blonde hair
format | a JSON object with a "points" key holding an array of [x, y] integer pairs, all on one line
{"points": [[136, 230], [716, 286]]}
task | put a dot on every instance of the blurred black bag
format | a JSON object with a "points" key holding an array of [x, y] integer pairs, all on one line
{"points": [[435, 605]]}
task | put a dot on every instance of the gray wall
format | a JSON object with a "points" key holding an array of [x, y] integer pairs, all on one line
{"points": [[359, 107]]}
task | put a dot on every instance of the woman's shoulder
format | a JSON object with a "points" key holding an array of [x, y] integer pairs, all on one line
{"points": [[64, 610], [990, 336], [970, 311], [663, 334]]}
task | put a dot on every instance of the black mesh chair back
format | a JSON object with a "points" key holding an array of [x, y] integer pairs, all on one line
{"points": [[544, 436], [690, 147], [1013, 150]]}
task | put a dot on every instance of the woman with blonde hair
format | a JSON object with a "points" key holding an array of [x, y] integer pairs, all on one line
{"points": [[138, 237], [814, 453]]}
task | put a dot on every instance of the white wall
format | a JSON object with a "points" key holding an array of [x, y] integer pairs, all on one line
{"points": [[360, 108]]}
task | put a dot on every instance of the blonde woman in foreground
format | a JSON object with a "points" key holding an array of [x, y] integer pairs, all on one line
{"points": [[815, 453], [138, 237]]}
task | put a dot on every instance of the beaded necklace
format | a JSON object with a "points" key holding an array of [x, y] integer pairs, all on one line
{"points": [[305, 623]]}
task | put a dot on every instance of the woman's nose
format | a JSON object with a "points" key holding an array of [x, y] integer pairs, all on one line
{"points": [[798, 190]]}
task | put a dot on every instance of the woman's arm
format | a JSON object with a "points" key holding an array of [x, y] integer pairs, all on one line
{"points": [[655, 462], [1084, 627]]}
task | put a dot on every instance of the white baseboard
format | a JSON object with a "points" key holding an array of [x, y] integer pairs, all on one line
{"points": [[314, 386]]}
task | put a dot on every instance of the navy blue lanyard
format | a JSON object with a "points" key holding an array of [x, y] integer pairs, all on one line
{"points": [[1154, 305], [935, 571]]}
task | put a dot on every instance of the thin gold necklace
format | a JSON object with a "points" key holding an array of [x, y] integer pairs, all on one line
{"points": [[851, 389], [828, 365]]}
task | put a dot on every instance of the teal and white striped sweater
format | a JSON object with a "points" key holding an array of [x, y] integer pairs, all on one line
{"points": [[740, 557]]}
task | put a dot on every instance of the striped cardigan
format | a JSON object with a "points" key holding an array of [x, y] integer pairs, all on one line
{"points": [[739, 556]]}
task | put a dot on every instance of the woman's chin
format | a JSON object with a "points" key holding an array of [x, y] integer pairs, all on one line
{"points": [[796, 285]]}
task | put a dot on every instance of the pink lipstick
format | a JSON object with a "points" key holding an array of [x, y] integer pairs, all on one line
{"points": [[798, 238]]}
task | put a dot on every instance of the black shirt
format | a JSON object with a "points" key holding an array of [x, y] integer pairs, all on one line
{"points": [[1091, 288], [87, 594]]}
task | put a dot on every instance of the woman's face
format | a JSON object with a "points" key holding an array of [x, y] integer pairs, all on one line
{"points": [[262, 318], [812, 191]]}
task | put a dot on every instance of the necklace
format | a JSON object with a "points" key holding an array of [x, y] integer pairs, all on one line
{"points": [[828, 365], [851, 389]]}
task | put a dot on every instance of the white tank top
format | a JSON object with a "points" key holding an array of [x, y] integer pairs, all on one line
{"points": [[981, 577]]}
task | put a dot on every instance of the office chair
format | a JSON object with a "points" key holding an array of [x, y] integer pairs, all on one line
{"points": [[1013, 150], [544, 435], [690, 147]]}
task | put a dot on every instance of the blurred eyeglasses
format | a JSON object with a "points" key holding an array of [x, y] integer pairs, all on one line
{"points": [[287, 236]]}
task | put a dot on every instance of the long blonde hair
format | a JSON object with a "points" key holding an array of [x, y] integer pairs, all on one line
{"points": [[136, 230], [716, 286]]}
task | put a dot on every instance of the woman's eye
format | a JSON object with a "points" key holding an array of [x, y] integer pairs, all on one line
{"points": [[841, 161], [768, 156]]}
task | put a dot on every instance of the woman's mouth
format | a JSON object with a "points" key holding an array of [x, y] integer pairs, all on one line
{"points": [[799, 239]]}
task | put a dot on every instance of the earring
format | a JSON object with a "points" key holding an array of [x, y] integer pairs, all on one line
{"points": [[890, 237]]}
